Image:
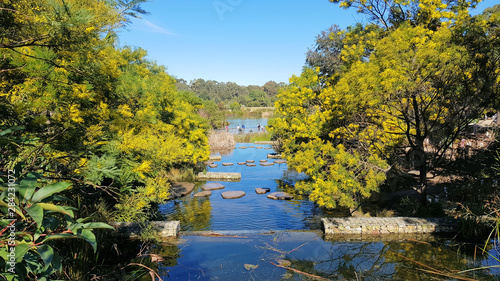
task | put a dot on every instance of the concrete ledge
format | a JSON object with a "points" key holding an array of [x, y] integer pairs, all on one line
{"points": [[219, 176], [389, 225], [133, 229]]}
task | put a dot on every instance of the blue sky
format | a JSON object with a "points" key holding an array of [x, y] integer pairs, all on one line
{"points": [[248, 42]]}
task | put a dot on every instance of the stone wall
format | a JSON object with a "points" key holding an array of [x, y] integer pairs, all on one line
{"points": [[389, 225]]}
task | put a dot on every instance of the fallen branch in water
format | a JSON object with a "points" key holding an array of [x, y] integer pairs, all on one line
{"points": [[300, 272], [217, 234]]}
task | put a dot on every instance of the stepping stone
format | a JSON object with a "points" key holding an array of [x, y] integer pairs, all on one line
{"points": [[242, 163], [209, 162], [212, 186], [213, 165], [232, 194], [280, 196], [280, 161], [264, 160], [268, 148], [215, 157], [252, 146], [266, 164], [242, 147], [205, 193], [179, 189], [250, 161], [227, 164], [262, 190], [251, 165], [258, 147]]}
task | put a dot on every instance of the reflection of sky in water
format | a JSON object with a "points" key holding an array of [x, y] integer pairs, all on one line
{"points": [[253, 211], [209, 258]]}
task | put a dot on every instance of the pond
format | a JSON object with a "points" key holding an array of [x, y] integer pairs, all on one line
{"points": [[251, 124], [262, 236]]}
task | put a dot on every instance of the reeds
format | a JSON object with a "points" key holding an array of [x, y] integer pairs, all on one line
{"points": [[221, 140]]}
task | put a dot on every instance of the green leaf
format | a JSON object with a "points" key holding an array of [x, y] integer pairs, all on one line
{"points": [[36, 212], [47, 254], [92, 225], [60, 236], [27, 186], [50, 189], [11, 130], [54, 208], [21, 249], [89, 236]]}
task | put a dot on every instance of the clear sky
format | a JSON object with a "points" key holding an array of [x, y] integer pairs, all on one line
{"points": [[248, 42]]}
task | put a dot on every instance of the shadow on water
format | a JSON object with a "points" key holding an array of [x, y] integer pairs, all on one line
{"points": [[302, 255]]}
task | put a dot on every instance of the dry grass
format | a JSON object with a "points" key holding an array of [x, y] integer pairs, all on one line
{"points": [[221, 140]]}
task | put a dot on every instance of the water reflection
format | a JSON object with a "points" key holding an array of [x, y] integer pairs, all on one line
{"points": [[253, 211]]}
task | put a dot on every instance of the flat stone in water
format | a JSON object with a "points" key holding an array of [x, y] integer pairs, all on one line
{"points": [[262, 190], [242, 147], [213, 165], [242, 163], [266, 164], [251, 165], [264, 160], [258, 147], [280, 196], [209, 162], [212, 186], [204, 193], [280, 161], [252, 146], [268, 148], [250, 161], [227, 164], [179, 189], [232, 194]]}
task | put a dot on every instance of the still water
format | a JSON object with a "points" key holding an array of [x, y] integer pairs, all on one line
{"points": [[272, 234]]}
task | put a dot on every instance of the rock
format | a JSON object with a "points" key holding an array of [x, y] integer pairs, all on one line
{"points": [[262, 190], [212, 186], [266, 164], [264, 160], [179, 189], [280, 161], [242, 163], [280, 196], [227, 164], [250, 161], [205, 193], [252, 146], [213, 165], [209, 162], [274, 155], [268, 148], [251, 165], [215, 157], [258, 147], [232, 194], [242, 147]]}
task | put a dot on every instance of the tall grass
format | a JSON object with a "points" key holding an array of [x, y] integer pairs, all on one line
{"points": [[252, 137], [221, 140]]}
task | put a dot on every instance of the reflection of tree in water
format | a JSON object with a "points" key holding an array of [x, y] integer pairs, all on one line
{"points": [[193, 213]]}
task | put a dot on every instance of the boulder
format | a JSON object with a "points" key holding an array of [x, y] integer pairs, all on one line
{"points": [[205, 193], [227, 164], [180, 189], [212, 186], [262, 190], [232, 194], [280, 196]]}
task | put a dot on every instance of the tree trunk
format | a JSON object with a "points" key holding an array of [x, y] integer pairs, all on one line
{"points": [[423, 179]]}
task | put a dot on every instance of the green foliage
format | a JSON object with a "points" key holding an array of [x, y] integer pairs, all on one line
{"points": [[43, 218]]}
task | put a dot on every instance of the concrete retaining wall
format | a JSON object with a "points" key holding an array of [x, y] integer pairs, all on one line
{"points": [[219, 176], [390, 225], [133, 229]]}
